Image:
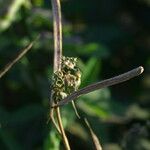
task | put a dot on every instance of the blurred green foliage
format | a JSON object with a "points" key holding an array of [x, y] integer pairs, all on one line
{"points": [[109, 37]]}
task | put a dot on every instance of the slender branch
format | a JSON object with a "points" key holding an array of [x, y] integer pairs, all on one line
{"points": [[17, 58], [94, 137], [57, 34], [105, 83], [51, 115], [57, 60], [66, 143]]}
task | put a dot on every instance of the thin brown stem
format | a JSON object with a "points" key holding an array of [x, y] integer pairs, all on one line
{"points": [[51, 115], [94, 137], [16, 59], [57, 60], [105, 83], [57, 34], [64, 137]]}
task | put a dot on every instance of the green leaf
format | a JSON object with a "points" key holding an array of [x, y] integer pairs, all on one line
{"points": [[96, 103], [10, 16], [52, 142], [94, 110], [91, 71]]}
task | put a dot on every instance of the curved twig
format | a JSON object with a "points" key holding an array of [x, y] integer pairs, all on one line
{"points": [[105, 83], [96, 141], [17, 58]]}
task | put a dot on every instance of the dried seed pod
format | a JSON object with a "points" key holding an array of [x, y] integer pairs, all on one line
{"points": [[67, 80], [72, 74]]}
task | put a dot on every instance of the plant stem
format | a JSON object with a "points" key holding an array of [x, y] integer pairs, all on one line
{"points": [[57, 26], [64, 137], [94, 137], [21, 53], [105, 83], [57, 58]]}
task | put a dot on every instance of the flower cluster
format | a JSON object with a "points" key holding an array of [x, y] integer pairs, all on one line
{"points": [[67, 80]]}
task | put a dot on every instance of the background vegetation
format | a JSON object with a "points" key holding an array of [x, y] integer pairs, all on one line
{"points": [[109, 37]]}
